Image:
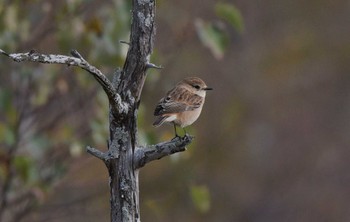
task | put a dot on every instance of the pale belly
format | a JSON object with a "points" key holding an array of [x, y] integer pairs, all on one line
{"points": [[188, 117]]}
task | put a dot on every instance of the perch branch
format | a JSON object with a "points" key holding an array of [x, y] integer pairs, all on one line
{"points": [[75, 60], [144, 155]]}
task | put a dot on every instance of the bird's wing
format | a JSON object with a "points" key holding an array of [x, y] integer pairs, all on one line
{"points": [[178, 100]]}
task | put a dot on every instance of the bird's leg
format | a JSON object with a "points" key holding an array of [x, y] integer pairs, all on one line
{"points": [[184, 132], [175, 130]]}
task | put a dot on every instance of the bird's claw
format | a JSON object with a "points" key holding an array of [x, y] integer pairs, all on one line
{"points": [[176, 137]]}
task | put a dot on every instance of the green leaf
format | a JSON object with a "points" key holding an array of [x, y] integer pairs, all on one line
{"points": [[6, 106], [2, 172], [213, 37], [201, 198], [230, 14], [23, 167], [42, 95], [7, 135], [5, 99]]}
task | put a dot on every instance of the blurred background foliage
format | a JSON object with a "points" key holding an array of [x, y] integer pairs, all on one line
{"points": [[271, 144]]}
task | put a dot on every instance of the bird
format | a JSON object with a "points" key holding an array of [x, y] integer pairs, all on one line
{"points": [[183, 104]]}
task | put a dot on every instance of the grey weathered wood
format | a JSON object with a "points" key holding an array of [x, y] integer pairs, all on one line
{"points": [[123, 129], [144, 155]]}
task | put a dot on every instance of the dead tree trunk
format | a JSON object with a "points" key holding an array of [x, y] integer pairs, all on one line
{"points": [[124, 157]]}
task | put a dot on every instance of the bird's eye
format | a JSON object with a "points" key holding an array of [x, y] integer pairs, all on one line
{"points": [[197, 86]]}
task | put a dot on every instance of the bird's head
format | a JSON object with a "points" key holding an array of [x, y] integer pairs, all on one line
{"points": [[195, 85]]}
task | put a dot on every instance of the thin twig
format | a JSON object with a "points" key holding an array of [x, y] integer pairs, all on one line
{"points": [[124, 42], [151, 65]]}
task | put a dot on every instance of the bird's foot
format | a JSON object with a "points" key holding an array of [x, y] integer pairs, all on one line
{"points": [[184, 137], [176, 137]]}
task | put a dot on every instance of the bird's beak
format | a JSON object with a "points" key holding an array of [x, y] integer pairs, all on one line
{"points": [[208, 88]]}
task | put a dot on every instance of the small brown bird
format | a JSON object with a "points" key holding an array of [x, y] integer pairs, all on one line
{"points": [[183, 104]]}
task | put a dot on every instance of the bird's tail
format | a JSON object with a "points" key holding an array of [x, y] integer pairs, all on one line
{"points": [[159, 121]]}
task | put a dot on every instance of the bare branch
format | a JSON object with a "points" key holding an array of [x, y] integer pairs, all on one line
{"points": [[105, 157], [124, 42], [144, 155], [151, 65], [76, 60], [96, 153]]}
